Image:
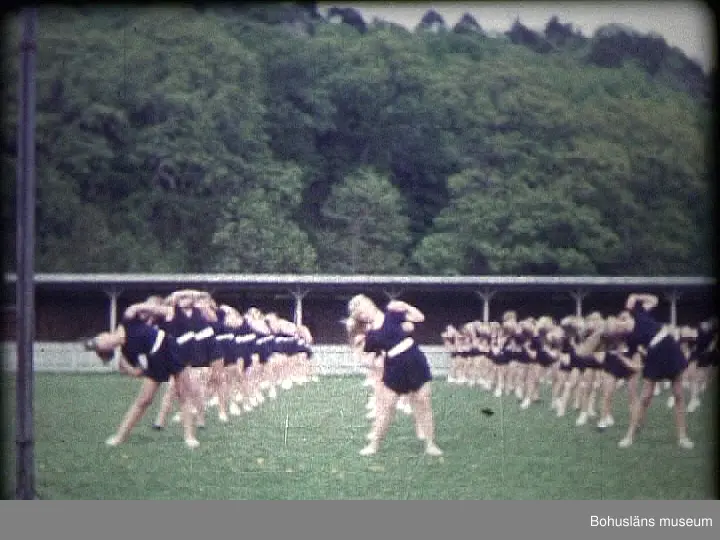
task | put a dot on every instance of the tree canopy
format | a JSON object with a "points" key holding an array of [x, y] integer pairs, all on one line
{"points": [[271, 139]]}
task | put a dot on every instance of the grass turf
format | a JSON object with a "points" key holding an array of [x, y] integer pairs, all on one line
{"points": [[304, 445]]}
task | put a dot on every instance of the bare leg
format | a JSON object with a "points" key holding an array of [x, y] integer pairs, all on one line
{"points": [[680, 423], [422, 405], [637, 413], [587, 397], [219, 381], [166, 405], [609, 384], [386, 402], [135, 413], [567, 389]]}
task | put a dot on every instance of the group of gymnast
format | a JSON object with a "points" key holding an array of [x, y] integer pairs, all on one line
{"points": [[587, 358], [207, 353]]}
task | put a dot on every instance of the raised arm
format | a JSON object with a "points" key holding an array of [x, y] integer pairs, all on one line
{"points": [[412, 314], [149, 308], [187, 294], [648, 301]]}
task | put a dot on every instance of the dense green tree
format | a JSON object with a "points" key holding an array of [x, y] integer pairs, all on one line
{"points": [[366, 229], [266, 138]]}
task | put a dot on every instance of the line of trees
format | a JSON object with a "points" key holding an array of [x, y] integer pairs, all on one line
{"points": [[267, 139]]}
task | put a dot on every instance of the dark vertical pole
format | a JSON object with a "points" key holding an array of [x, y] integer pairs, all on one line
{"points": [[25, 294]]}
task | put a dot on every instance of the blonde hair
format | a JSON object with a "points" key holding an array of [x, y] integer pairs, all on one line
{"points": [[357, 301]]}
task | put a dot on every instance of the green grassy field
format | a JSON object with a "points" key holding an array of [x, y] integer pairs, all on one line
{"points": [[304, 445]]}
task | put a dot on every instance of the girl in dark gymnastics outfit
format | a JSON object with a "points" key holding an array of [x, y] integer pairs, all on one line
{"points": [[244, 349], [209, 349], [542, 356], [405, 372], [227, 321], [147, 352], [568, 372], [262, 351], [526, 360], [589, 354], [618, 366], [705, 353], [498, 356], [174, 321], [183, 319], [484, 365], [664, 360], [513, 352], [464, 348], [449, 339], [306, 366], [686, 336]]}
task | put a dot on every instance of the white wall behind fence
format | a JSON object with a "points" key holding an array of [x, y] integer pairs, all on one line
{"points": [[70, 357]]}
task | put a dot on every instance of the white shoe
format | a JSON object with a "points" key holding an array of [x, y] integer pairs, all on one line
{"points": [[223, 417], [671, 402], [407, 409], [192, 443], [247, 407], [625, 443], [370, 405], [113, 441], [498, 391], [234, 409], [432, 450], [693, 405], [369, 450], [272, 394], [177, 418], [606, 423], [686, 443], [370, 414], [287, 384], [213, 402], [525, 404], [519, 393], [582, 419], [367, 382], [656, 392]]}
